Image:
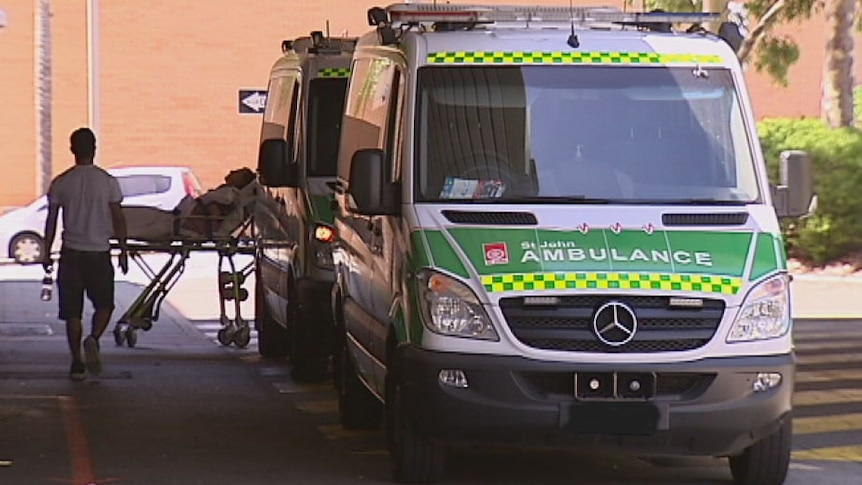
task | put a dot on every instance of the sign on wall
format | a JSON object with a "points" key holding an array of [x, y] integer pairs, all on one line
{"points": [[252, 101]]}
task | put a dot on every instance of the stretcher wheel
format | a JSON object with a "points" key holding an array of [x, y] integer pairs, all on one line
{"points": [[119, 338], [226, 335], [243, 294], [242, 337], [131, 337]]}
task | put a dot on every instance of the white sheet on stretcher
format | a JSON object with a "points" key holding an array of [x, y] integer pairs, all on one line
{"points": [[151, 224]]}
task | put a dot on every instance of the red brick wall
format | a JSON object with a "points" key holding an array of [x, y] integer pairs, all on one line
{"points": [[171, 71]]}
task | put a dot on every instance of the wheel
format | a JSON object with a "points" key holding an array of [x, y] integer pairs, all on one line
{"points": [[243, 294], [357, 407], [310, 354], [273, 340], [131, 337], [26, 248], [415, 459], [119, 337], [225, 335], [242, 337], [766, 461]]}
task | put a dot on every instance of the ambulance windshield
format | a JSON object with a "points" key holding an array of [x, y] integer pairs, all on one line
{"points": [[562, 134]]}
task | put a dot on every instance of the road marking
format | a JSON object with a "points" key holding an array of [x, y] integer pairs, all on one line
{"points": [[834, 453], [829, 375], [336, 431], [836, 396], [827, 424], [829, 358], [76, 437], [290, 387], [318, 407]]}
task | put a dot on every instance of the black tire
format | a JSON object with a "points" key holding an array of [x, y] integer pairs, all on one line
{"points": [[26, 248], [273, 340], [310, 355], [357, 407], [766, 461], [415, 458]]}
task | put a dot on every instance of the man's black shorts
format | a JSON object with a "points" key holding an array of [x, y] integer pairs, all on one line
{"points": [[81, 271]]}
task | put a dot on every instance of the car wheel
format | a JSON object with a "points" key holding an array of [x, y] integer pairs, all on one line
{"points": [[766, 461], [357, 407], [26, 248]]}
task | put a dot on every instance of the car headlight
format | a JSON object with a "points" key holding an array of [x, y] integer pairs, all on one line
{"points": [[449, 307], [765, 312]]}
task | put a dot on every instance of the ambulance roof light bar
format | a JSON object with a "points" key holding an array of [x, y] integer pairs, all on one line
{"points": [[405, 14]]}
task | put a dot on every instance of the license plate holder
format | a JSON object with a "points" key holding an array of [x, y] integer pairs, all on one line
{"points": [[612, 418]]}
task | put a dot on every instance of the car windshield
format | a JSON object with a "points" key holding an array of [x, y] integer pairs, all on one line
{"points": [[582, 134], [325, 107]]}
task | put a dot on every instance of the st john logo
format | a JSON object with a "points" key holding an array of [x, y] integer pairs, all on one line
{"points": [[496, 253]]}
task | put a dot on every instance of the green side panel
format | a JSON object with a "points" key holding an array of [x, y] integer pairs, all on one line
{"points": [[778, 242], [418, 252], [321, 208], [443, 256], [765, 257]]}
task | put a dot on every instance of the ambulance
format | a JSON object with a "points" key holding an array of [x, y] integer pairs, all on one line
{"points": [[555, 228], [293, 216]]}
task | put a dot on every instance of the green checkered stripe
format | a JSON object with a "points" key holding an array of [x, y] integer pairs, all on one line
{"points": [[618, 281], [497, 57], [334, 72]]}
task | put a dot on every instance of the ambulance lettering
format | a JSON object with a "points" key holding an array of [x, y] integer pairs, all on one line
{"points": [[568, 251]]}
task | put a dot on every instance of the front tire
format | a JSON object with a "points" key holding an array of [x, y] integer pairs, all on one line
{"points": [[310, 355], [273, 340], [766, 461], [415, 458], [357, 407]]}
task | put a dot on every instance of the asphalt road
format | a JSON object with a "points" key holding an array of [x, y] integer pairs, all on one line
{"points": [[181, 409]]}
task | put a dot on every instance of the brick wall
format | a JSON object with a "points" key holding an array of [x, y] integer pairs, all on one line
{"points": [[171, 71]]}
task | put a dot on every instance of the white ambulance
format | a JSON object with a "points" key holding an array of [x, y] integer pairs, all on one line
{"points": [[556, 229]]}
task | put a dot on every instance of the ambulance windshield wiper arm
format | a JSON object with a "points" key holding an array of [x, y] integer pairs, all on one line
{"points": [[571, 199]]}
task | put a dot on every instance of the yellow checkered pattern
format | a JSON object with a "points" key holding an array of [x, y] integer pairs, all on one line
{"points": [[612, 281], [498, 57], [334, 72]]}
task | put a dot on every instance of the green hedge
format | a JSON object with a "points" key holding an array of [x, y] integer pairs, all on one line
{"points": [[835, 230]]}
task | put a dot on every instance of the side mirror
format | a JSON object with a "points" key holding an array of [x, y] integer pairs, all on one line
{"points": [[794, 196], [369, 186], [274, 166]]}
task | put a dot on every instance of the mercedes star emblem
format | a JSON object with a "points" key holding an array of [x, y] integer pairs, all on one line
{"points": [[615, 323]]}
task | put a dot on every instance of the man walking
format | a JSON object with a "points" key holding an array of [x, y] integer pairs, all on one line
{"points": [[90, 199]]}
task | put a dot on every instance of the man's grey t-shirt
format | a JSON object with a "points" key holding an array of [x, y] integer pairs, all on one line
{"points": [[84, 192]]}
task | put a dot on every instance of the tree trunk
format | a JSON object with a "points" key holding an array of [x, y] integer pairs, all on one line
{"points": [[838, 78]]}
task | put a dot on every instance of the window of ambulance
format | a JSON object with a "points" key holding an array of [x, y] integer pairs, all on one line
{"points": [[325, 109], [569, 134]]}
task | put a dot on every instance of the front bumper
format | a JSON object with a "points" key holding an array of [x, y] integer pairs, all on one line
{"points": [[706, 407]]}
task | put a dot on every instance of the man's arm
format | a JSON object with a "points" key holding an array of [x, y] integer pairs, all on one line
{"points": [[50, 234], [120, 232]]}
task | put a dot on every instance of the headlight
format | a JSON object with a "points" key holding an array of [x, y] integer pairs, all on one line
{"points": [[450, 308], [765, 313]]}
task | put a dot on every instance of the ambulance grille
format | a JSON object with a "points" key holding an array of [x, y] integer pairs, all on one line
{"points": [[568, 325]]}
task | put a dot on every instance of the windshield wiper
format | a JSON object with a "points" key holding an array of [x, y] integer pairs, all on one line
{"points": [[571, 199], [701, 201]]}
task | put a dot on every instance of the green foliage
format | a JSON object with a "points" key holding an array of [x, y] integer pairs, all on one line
{"points": [[835, 230], [775, 55]]}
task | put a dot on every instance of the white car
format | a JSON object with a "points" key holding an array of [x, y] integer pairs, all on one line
{"points": [[21, 230]]}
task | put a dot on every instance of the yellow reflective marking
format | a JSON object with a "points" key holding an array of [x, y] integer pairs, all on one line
{"points": [[834, 453], [318, 407], [727, 285], [827, 424], [835, 396], [579, 57], [829, 375]]}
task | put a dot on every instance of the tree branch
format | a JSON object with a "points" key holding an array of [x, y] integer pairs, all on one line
{"points": [[759, 31]]}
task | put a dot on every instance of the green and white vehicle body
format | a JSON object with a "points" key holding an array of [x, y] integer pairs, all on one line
{"points": [[294, 215], [612, 275]]}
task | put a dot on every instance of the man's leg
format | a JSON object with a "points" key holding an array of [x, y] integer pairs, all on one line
{"points": [[70, 289], [100, 290]]}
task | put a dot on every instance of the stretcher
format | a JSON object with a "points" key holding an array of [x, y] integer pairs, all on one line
{"points": [[227, 234]]}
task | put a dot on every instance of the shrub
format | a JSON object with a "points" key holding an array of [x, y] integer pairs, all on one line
{"points": [[835, 230]]}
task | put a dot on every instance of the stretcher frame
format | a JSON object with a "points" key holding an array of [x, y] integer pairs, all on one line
{"points": [[146, 308]]}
